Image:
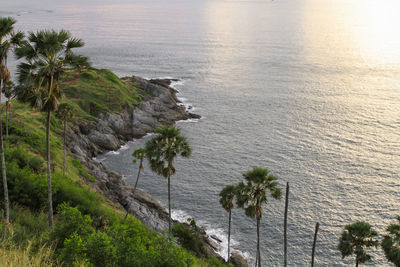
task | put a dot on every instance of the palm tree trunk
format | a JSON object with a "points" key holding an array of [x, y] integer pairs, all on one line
{"points": [[64, 147], [49, 190], [229, 235], [258, 242], [137, 178], [314, 243], [285, 225], [3, 168], [7, 102], [169, 205]]}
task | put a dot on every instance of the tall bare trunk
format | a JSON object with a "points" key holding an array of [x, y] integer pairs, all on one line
{"points": [[3, 168], [258, 242], [134, 189], [169, 205], [229, 235], [285, 225], [7, 102], [64, 146], [314, 243], [49, 190], [137, 178]]}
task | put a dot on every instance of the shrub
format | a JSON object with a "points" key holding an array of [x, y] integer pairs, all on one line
{"points": [[25, 187], [100, 250], [137, 246], [74, 251], [189, 238], [36, 164], [18, 155], [69, 221]]}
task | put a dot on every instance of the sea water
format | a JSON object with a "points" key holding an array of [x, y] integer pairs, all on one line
{"points": [[309, 89]]}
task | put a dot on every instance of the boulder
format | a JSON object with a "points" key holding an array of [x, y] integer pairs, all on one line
{"points": [[238, 260]]}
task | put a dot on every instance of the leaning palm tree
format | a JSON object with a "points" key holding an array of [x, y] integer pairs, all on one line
{"points": [[8, 40], [355, 239], [254, 193], [64, 113], [46, 55], [7, 90], [161, 151], [227, 194], [139, 154], [391, 243]]}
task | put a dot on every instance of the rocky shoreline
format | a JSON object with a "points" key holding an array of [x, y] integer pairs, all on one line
{"points": [[159, 106]]}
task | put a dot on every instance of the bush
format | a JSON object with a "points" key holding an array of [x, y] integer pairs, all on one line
{"points": [[19, 155], [100, 250], [70, 221], [189, 238], [137, 246], [36, 164], [25, 187], [74, 251]]}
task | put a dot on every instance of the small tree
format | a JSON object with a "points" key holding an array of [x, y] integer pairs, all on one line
{"points": [[65, 113], [161, 151], [391, 243], [227, 194], [355, 239], [252, 195]]}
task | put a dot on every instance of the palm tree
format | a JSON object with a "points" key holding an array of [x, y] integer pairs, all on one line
{"points": [[7, 90], [8, 40], [47, 54], [355, 239], [161, 152], [252, 195], [139, 154], [64, 113], [391, 243], [227, 194]]}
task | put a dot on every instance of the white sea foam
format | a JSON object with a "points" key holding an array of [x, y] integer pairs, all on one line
{"points": [[183, 216], [189, 120], [114, 152], [180, 216], [174, 84], [126, 146], [98, 159]]}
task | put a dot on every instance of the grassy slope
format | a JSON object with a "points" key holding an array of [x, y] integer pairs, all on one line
{"points": [[91, 92], [98, 91]]}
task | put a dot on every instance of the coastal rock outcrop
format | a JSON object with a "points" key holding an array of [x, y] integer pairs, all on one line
{"points": [[159, 106]]}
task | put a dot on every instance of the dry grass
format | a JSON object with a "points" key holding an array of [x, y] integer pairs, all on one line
{"points": [[12, 255]]}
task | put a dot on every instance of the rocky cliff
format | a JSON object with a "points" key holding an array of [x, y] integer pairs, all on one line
{"points": [[159, 106]]}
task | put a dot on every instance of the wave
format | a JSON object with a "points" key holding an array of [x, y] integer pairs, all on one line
{"points": [[218, 235], [99, 159], [126, 146], [189, 121], [113, 152]]}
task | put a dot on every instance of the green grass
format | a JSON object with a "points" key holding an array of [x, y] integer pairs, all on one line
{"points": [[28, 240], [98, 91]]}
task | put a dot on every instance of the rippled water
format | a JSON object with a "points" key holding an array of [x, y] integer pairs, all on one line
{"points": [[309, 89]]}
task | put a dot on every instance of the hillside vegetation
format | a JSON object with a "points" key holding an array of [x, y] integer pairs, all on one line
{"points": [[89, 229]]}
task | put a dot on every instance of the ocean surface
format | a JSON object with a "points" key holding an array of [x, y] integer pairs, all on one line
{"points": [[309, 89]]}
